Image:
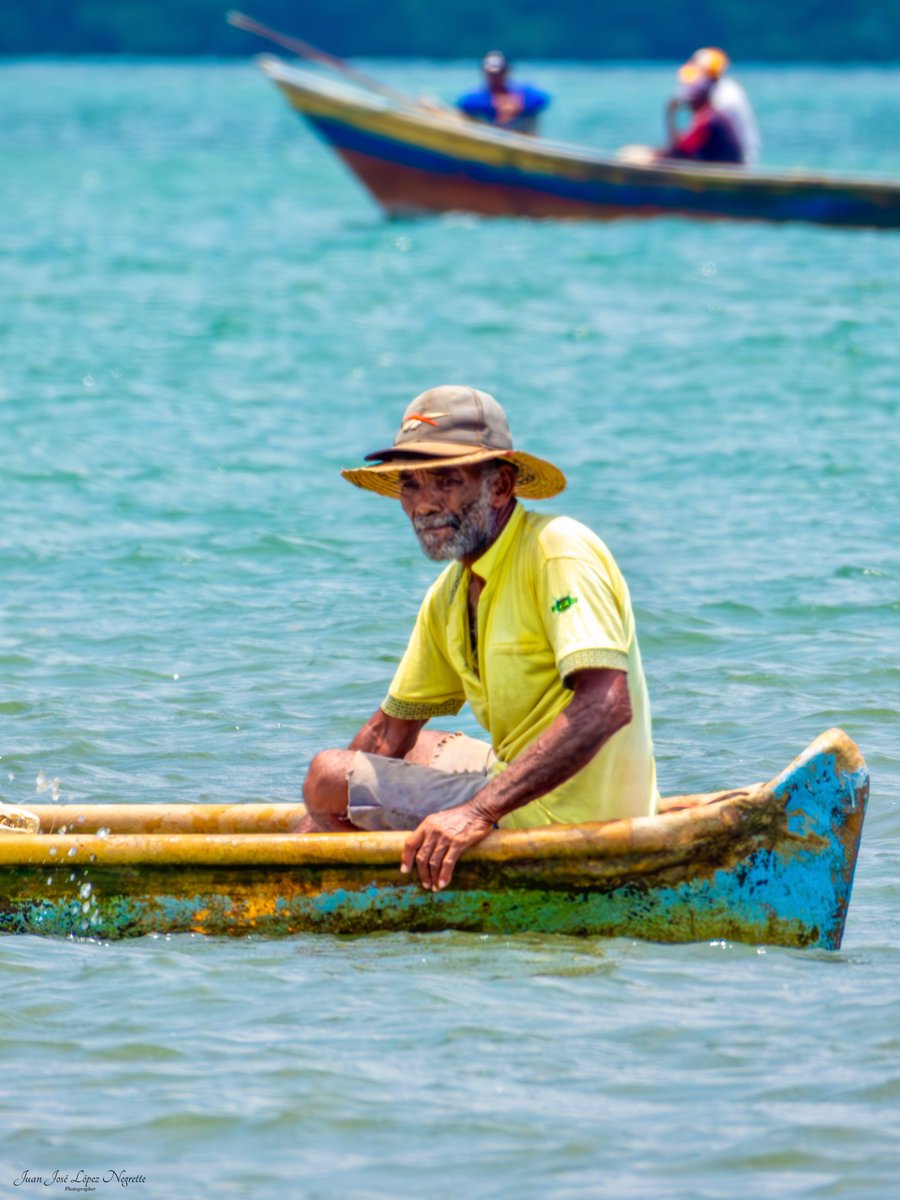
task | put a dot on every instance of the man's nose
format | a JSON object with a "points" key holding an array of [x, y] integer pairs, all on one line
{"points": [[428, 499]]}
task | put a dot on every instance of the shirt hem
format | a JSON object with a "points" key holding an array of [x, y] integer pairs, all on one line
{"points": [[586, 660]]}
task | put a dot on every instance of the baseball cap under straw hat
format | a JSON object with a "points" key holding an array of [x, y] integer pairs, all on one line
{"points": [[455, 426], [709, 61]]}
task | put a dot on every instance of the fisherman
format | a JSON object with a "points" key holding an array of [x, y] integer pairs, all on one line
{"points": [[530, 622], [727, 97], [710, 137], [501, 102]]}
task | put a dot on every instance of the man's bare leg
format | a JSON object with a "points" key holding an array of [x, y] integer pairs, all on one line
{"points": [[325, 791], [426, 744]]}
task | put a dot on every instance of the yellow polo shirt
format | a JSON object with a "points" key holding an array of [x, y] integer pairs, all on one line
{"points": [[553, 602]]}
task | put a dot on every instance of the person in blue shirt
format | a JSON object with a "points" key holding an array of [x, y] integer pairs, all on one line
{"points": [[501, 102]]}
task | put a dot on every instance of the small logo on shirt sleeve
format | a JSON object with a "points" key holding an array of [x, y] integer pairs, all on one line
{"points": [[562, 603]]}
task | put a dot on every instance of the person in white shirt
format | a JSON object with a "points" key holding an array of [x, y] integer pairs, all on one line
{"points": [[727, 97]]}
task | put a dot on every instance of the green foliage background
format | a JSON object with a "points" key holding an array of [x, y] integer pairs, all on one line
{"points": [[760, 30]]}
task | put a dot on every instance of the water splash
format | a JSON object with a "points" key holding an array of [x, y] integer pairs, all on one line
{"points": [[43, 784]]}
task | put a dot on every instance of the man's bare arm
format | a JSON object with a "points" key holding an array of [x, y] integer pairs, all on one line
{"points": [[386, 735], [600, 707]]}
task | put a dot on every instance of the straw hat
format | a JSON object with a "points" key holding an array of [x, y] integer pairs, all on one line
{"points": [[454, 426]]}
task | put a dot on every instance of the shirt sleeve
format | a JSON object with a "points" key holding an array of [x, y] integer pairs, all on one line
{"points": [[586, 611], [534, 100], [476, 104], [425, 683]]}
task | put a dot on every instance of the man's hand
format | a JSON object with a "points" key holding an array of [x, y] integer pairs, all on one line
{"points": [[438, 842], [599, 708], [507, 105]]}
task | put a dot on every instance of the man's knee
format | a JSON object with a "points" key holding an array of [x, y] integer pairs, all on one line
{"points": [[325, 785]]}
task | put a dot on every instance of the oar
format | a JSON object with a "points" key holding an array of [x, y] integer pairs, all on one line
{"points": [[306, 50]]}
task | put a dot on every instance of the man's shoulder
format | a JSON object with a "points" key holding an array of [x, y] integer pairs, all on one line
{"points": [[476, 100], [729, 89], [560, 536], [534, 97]]}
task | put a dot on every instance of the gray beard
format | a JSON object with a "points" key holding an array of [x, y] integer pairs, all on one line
{"points": [[472, 530]]}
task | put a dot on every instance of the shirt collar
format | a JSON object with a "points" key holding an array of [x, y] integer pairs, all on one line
{"points": [[489, 562]]}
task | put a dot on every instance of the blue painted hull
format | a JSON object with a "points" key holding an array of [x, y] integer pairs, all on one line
{"points": [[386, 166]]}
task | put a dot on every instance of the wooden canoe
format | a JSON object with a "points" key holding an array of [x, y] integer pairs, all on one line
{"points": [[414, 160], [767, 864]]}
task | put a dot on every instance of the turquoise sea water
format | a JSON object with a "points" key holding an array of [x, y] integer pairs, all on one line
{"points": [[201, 319]]}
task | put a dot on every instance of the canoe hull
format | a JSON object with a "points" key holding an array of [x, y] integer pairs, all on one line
{"points": [[414, 161], [772, 864], [403, 190]]}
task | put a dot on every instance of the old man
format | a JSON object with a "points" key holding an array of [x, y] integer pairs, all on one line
{"points": [[530, 623]]}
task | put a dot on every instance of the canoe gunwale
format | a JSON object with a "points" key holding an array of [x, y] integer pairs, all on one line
{"points": [[630, 843]]}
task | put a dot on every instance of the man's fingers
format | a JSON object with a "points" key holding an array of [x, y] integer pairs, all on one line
{"points": [[429, 859], [419, 848], [411, 849], [437, 844], [449, 862]]}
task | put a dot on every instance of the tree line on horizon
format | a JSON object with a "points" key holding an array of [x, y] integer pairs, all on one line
{"points": [[750, 30]]}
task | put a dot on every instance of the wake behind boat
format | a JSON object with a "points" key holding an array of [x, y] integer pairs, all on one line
{"points": [[415, 159]]}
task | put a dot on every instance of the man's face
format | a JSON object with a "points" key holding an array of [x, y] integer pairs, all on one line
{"points": [[451, 509], [496, 80]]}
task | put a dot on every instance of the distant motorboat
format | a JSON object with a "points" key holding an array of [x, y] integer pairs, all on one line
{"points": [[417, 158]]}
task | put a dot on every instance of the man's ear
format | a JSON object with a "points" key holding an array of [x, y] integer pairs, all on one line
{"points": [[504, 481]]}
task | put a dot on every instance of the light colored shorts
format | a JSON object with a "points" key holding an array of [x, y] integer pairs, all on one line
{"points": [[388, 793]]}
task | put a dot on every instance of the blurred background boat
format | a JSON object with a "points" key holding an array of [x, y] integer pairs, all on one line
{"points": [[415, 157]]}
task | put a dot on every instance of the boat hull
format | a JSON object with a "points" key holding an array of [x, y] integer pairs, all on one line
{"points": [[416, 161], [770, 864]]}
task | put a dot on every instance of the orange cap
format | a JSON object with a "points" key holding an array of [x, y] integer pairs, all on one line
{"points": [[708, 61]]}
